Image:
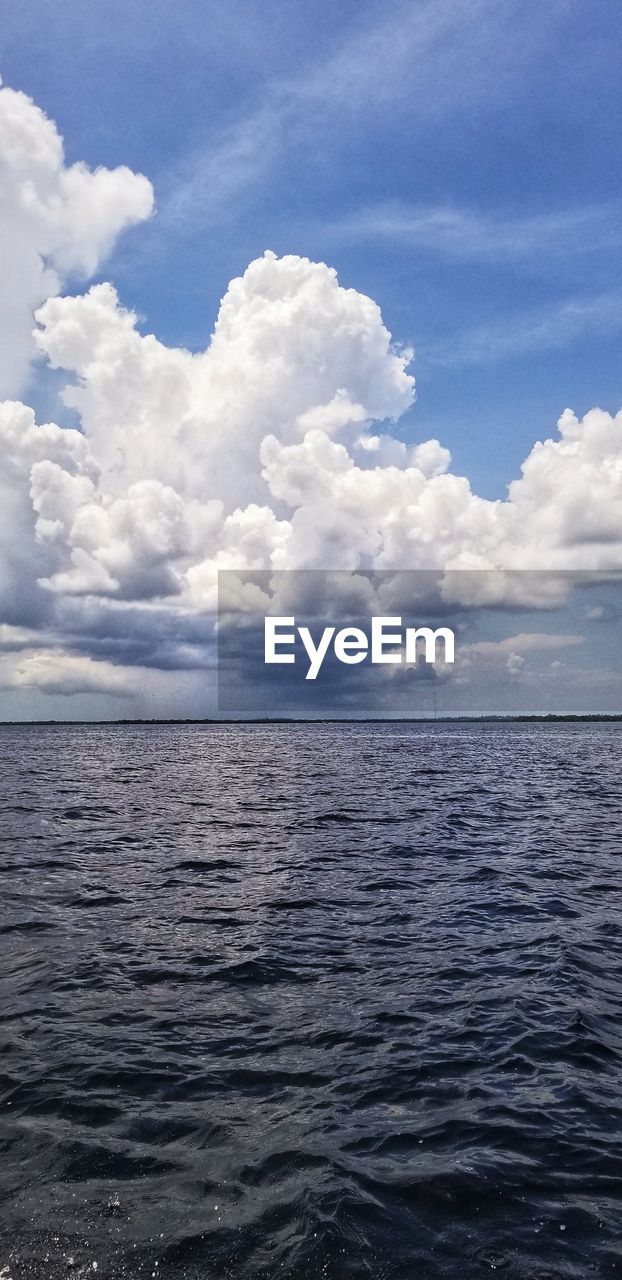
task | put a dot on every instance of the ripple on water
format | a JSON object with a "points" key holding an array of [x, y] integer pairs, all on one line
{"points": [[310, 1001]]}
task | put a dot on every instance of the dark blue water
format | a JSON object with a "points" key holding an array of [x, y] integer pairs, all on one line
{"points": [[311, 1001]]}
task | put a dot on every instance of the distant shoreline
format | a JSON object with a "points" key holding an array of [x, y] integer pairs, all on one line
{"points": [[592, 718]]}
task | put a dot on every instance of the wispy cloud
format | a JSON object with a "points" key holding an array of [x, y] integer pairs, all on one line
{"points": [[461, 233], [525, 642], [428, 60], [407, 44], [211, 178], [546, 329]]}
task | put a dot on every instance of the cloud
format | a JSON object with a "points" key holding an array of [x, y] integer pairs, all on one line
{"points": [[408, 45], [57, 222], [467, 234], [525, 642], [508, 653], [12, 639], [490, 661], [65, 674], [489, 658], [548, 328], [423, 61], [259, 452], [273, 448], [515, 664]]}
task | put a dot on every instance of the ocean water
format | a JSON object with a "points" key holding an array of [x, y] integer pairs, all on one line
{"points": [[311, 1001]]}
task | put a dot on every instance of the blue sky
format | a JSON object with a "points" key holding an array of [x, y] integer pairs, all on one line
{"points": [[459, 162]]}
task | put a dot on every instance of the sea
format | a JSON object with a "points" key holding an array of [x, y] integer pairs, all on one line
{"points": [[311, 1000]]}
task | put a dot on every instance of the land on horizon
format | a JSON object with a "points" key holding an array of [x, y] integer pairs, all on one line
{"points": [[589, 717]]}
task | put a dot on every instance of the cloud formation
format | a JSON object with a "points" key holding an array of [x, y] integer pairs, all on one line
{"points": [[422, 62], [273, 448], [57, 222], [549, 328], [464, 233]]}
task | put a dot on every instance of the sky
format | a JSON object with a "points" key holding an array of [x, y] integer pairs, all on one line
{"points": [[523, 644], [456, 163]]}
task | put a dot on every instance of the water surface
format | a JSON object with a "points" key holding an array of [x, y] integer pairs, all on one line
{"points": [[310, 1001]]}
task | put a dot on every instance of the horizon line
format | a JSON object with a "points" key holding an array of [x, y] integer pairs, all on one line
{"points": [[588, 716]]}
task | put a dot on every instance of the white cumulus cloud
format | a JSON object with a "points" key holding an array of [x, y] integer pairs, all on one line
{"points": [[56, 222], [273, 448]]}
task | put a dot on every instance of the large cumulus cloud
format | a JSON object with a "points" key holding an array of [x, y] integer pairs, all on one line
{"points": [[56, 222], [273, 448]]}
